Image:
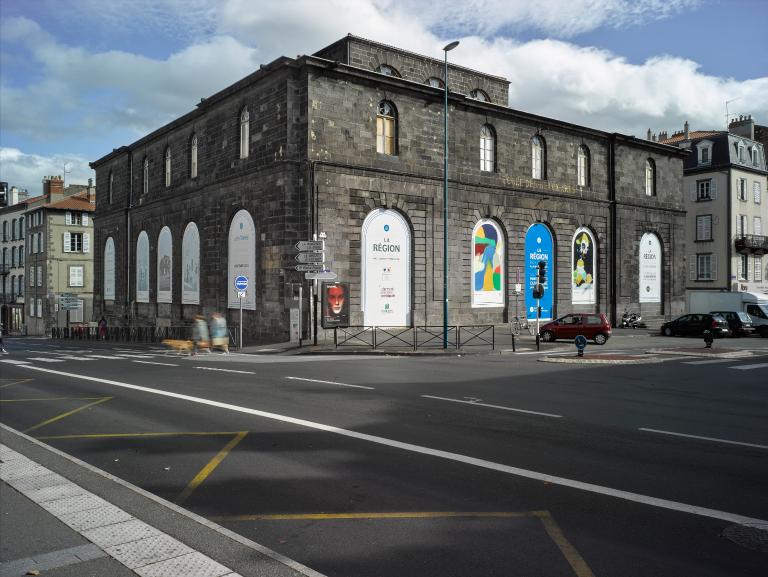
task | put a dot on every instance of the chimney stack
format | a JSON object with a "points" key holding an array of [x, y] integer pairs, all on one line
{"points": [[744, 126], [648, 134], [686, 130], [53, 188]]}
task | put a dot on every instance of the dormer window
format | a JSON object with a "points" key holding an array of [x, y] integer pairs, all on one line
{"points": [[742, 152], [480, 95], [388, 70], [705, 152], [754, 156], [435, 82]]}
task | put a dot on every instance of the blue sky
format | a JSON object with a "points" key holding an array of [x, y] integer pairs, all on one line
{"points": [[81, 77]]}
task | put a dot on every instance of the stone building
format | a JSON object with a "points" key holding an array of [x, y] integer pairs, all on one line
{"points": [[12, 207], [349, 142], [59, 261], [725, 179]]}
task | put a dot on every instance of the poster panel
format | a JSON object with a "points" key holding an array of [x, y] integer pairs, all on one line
{"points": [[386, 269], [583, 268], [335, 307], [538, 247], [241, 253], [142, 268], [487, 265], [164, 266], [650, 268], [190, 265], [109, 269]]}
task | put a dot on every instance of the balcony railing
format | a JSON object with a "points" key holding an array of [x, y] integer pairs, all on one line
{"points": [[751, 243]]}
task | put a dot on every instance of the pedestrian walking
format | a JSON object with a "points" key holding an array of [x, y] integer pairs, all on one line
{"points": [[200, 334], [103, 329], [219, 336], [2, 346]]}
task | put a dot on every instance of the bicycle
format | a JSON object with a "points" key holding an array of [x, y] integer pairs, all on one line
{"points": [[516, 325]]}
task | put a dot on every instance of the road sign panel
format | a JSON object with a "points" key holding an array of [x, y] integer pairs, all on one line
{"points": [[241, 283], [310, 257], [309, 245], [241, 294], [313, 267], [323, 275], [580, 342]]}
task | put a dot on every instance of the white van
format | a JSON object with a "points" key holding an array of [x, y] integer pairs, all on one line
{"points": [[754, 304]]}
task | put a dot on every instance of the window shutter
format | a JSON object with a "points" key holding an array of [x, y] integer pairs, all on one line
{"points": [[67, 245], [738, 226], [85, 219], [67, 218], [86, 242], [692, 268], [692, 191], [713, 266], [41, 243], [713, 189]]}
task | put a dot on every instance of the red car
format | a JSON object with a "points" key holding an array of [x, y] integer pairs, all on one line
{"points": [[592, 325]]}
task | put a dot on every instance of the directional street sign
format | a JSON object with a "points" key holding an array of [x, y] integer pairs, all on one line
{"points": [[310, 257], [324, 275], [309, 245], [313, 267], [241, 283]]}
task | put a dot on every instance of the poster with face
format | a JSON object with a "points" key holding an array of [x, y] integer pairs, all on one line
{"points": [[109, 270], [335, 309], [583, 268], [538, 247], [650, 268], [386, 269], [164, 266], [142, 268], [487, 265], [242, 259], [190, 266]]}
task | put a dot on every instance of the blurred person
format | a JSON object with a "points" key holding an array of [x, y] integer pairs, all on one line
{"points": [[199, 334], [219, 336]]}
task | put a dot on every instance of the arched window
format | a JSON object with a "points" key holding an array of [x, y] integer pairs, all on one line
{"points": [[193, 157], [145, 176], [480, 95], [386, 128], [538, 158], [650, 178], [167, 167], [583, 166], [21, 227], [435, 82], [388, 70], [111, 187], [244, 123], [13, 230], [487, 148]]}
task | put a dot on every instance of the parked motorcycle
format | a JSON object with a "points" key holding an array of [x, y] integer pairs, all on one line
{"points": [[631, 320]]}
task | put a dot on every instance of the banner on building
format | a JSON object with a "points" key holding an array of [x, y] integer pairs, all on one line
{"points": [[165, 266], [386, 269], [487, 265], [109, 270], [583, 268], [650, 268], [538, 247], [241, 256], [142, 268], [190, 265]]}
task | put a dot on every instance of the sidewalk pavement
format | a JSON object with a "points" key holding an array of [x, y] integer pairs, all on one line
{"points": [[61, 517]]}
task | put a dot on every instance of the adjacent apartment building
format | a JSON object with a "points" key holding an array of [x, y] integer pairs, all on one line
{"points": [[13, 205], [59, 261], [347, 144], [725, 179]]}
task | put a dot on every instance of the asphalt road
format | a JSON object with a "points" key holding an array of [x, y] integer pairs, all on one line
{"points": [[375, 466]]}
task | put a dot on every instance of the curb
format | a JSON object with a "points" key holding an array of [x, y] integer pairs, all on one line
{"points": [[639, 360]]}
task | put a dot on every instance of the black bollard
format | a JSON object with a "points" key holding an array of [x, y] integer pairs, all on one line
{"points": [[708, 339]]}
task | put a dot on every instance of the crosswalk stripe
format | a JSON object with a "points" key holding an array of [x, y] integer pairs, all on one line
{"points": [[708, 362], [14, 362], [45, 359], [74, 358], [749, 367]]}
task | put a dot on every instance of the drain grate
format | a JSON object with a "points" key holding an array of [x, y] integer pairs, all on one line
{"points": [[753, 537]]}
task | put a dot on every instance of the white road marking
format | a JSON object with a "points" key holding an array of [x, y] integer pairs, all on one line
{"points": [[154, 363], [493, 406], [329, 383], [750, 367], [74, 358], [45, 359], [456, 457], [14, 362], [225, 370], [110, 357], [705, 438], [708, 362]]}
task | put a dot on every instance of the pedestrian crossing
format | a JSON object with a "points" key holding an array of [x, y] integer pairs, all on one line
{"points": [[748, 367], [28, 356]]}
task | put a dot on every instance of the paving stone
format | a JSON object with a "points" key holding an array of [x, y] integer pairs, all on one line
{"points": [[84, 520], [147, 551], [119, 533], [191, 565]]}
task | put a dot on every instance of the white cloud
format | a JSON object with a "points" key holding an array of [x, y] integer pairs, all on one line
{"points": [[26, 171]]}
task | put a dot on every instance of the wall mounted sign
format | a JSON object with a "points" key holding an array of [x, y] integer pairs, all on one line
{"points": [[583, 268], [142, 268], [242, 259], [650, 268], [190, 266], [487, 265], [109, 269], [538, 247], [165, 266]]}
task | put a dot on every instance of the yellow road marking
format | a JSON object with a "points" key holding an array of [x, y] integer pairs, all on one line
{"points": [[209, 468], [16, 382], [67, 414], [576, 561], [51, 399], [118, 435], [572, 556]]}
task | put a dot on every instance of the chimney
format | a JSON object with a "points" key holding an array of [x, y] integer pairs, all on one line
{"points": [[91, 192], [686, 130], [648, 134], [744, 126], [53, 188]]}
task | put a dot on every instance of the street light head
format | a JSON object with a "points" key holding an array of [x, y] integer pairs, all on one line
{"points": [[451, 46]]}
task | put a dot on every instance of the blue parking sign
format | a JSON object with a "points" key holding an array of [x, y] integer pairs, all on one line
{"points": [[241, 283]]}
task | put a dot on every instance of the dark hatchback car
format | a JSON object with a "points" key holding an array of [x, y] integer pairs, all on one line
{"points": [[738, 321], [592, 325], [695, 325]]}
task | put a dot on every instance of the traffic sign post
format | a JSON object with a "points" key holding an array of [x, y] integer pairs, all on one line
{"points": [[311, 267], [312, 258], [241, 285]]}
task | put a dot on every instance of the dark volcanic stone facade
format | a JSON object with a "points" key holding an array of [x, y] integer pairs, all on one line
{"points": [[313, 167]]}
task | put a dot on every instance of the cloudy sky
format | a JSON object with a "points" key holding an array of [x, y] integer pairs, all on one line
{"points": [[81, 77]]}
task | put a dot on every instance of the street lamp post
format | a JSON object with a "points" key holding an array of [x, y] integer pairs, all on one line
{"points": [[446, 49]]}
